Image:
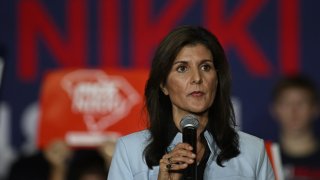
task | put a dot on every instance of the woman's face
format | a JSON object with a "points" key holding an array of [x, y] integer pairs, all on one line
{"points": [[192, 82]]}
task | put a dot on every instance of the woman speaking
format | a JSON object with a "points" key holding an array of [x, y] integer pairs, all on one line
{"points": [[190, 77]]}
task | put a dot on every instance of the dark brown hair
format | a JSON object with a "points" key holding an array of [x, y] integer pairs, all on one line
{"points": [[297, 82], [221, 114]]}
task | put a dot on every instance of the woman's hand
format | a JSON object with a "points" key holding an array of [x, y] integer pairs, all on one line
{"points": [[178, 159]]}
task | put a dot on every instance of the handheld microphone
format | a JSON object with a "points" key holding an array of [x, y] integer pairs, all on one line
{"points": [[189, 125]]}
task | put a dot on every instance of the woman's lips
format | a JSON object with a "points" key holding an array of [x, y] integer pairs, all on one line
{"points": [[197, 93]]}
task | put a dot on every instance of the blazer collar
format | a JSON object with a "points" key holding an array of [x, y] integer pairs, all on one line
{"points": [[208, 136]]}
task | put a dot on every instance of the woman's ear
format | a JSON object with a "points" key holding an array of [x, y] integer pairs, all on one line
{"points": [[164, 89]]}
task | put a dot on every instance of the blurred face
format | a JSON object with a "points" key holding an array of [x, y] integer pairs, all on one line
{"points": [[192, 82], [294, 110]]}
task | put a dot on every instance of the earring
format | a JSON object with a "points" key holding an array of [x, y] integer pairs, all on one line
{"points": [[164, 91]]}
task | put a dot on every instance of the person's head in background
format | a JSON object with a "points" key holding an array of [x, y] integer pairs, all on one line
{"points": [[295, 104], [295, 107], [87, 164]]}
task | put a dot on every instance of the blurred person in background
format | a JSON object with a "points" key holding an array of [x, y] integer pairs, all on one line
{"points": [[87, 164], [58, 161], [49, 164], [106, 149], [295, 107]]}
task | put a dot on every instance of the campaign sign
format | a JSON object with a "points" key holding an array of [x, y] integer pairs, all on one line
{"points": [[86, 107]]}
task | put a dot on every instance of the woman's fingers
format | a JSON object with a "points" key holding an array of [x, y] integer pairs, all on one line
{"points": [[182, 152], [176, 167], [183, 146], [179, 157], [180, 160]]}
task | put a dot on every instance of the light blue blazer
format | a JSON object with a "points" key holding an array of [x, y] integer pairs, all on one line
{"points": [[128, 162]]}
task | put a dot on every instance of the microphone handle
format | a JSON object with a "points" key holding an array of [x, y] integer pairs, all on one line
{"points": [[189, 135]]}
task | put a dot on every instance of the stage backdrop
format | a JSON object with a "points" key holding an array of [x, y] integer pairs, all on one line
{"points": [[264, 40]]}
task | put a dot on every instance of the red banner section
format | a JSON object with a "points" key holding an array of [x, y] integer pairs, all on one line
{"points": [[86, 107]]}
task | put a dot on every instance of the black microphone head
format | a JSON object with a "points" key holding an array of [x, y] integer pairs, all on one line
{"points": [[189, 121], [189, 125]]}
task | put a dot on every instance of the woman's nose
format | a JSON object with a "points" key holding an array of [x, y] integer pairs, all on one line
{"points": [[196, 77]]}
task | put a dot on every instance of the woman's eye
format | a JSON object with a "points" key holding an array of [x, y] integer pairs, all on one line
{"points": [[181, 68], [206, 67]]}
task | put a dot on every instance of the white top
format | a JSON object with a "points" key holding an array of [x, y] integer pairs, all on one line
{"points": [[128, 162]]}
